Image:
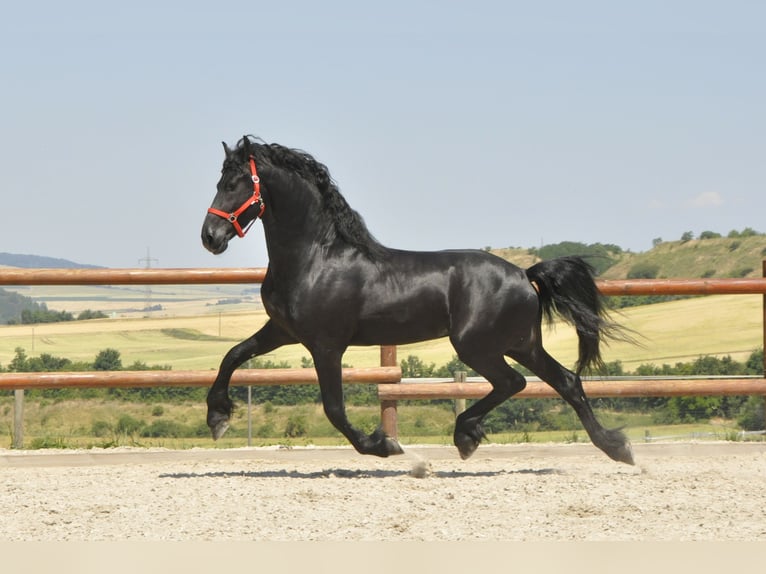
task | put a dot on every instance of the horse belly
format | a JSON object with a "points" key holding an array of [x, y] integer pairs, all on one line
{"points": [[400, 325]]}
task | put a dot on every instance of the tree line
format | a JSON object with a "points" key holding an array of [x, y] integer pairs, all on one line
{"points": [[17, 309]]}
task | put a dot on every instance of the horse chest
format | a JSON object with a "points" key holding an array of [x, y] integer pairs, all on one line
{"points": [[306, 312]]}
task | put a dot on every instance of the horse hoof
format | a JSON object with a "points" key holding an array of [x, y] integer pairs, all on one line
{"points": [[393, 447], [466, 445], [219, 429], [617, 446], [380, 444], [624, 454]]}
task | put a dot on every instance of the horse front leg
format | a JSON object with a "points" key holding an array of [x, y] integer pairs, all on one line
{"points": [[219, 404], [329, 372]]}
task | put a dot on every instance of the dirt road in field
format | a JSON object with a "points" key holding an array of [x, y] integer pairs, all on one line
{"points": [[680, 492]]}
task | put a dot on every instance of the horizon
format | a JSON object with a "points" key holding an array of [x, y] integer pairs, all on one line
{"points": [[696, 236]]}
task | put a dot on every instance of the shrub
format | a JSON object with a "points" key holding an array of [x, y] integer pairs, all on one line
{"points": [[165, 428], [48, 442], [89, 314], [129, 426], [266, 430], [296, 426], [751, 416], [643, 271], [101, 429]]}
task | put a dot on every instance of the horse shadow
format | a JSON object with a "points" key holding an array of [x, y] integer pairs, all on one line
{"points": [[343, 473]]}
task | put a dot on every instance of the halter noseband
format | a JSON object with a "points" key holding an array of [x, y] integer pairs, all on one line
{"points": [[233, 217]]}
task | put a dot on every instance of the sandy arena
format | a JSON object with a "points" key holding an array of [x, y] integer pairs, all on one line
{"points": [[676, 492]]}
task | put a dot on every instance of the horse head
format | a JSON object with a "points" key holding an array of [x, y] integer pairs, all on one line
{"points": [[237, 202]]}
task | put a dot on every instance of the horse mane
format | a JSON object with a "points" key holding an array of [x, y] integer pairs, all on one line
{"points": [[348, 225]]}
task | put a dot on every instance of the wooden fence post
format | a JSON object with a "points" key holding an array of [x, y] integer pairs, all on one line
{"points": [[388, 414], [18, 419], [459, 377], [249, 416]]}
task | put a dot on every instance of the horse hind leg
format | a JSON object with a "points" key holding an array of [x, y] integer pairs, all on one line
{"points": [[505, 382], [569, 385]]}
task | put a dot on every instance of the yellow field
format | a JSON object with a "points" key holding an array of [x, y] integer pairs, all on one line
{"points": [[680, 331], [192, 333]]}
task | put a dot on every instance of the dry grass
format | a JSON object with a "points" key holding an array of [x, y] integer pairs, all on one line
{"points": [[70, 424]]}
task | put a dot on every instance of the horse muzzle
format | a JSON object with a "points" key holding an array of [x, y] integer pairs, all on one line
{"points": [[215, 237]]}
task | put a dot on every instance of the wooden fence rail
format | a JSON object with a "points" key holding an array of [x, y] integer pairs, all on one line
{"points": [[143, 379], [388, 376], [221, 275], [670, 387], [212, 276], [747, 286]]}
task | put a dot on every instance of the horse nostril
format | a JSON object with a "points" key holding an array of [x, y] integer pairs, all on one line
{"points": [[213, 240], [207, 237]]}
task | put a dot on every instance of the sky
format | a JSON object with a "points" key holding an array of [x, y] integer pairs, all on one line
{"points": [[445, 124]]}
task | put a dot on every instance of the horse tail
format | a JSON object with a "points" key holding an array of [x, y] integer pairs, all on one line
{"points": [[566, 287]]}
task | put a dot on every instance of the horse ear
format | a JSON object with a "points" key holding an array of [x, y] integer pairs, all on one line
{"points": [[226, 150]]}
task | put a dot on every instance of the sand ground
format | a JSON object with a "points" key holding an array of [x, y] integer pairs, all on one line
{"points": [[676, 492]]}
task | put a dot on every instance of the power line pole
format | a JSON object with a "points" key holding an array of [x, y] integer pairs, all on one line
{"points": [[148, 264]]}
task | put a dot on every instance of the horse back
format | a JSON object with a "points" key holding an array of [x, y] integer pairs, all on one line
{"points": [[418, 296]]}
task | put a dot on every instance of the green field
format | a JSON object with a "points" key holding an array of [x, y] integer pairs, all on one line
{"points": [[195, 334]]}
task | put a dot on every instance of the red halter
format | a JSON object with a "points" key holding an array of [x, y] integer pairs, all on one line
{"points": [[255, 198]]}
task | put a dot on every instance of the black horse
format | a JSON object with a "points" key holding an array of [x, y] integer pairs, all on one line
{"points": [[330, 284]]}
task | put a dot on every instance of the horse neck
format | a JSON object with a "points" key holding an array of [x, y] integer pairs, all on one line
{"points": [[295, 225]]}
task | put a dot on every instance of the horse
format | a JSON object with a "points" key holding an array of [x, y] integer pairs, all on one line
{"points": [[330, 284]]}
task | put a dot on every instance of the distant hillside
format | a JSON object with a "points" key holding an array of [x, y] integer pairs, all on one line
{"points": [[39, 262], [718, 257], [520, 256], [715, 257], [11, 303]]}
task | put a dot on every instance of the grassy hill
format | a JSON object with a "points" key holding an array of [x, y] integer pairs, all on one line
{"points": [[715, 257], [724, 257]]}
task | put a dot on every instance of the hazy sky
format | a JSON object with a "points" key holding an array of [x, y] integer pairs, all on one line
{"points": [[445, 124]]}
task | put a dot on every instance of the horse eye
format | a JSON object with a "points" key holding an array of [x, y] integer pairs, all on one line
{"points": [[229, 185]]}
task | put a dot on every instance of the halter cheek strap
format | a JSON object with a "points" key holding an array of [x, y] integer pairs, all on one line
{"points": [[233, 217]]}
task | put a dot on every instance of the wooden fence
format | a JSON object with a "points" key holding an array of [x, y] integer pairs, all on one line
{"points": [[391, 388]]}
